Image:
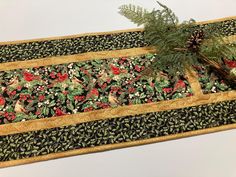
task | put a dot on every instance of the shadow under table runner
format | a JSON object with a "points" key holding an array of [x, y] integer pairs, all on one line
{"points": [[78, 94]]}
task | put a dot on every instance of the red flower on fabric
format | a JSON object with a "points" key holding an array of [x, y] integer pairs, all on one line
{"points": [[230, 63], [41, 88], [189, 94], [121, 62], [10, 116], [13, 116], [59, 112], [12, 93], [49, 86], [104, 85], [52, 75], [108, 80], [152, 84], [62, 77], [79, 98], [24, 97], [103, 105], [84, 71], [137, 68], [41, 97], [222, 82], [115, 89], [132, 89], [2, 101], [179, 85], [115, 70], [65, 92], [88, 109], [138, 77], [6, 114], [94, 91], [76, 97], [19, 87], [167, 90], [28, 76]]}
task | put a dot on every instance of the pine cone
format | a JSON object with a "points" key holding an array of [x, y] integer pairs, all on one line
{"points": [[195, 40]]}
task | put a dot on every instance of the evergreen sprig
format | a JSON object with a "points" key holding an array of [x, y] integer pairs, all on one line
{"points": [[136, 14], [163, 31]]}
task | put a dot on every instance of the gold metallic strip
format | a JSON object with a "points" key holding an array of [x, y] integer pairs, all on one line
{"points": [[115, 146], [217, 20], [230, 39], [39, 124], [194, 83], [75, 58]]}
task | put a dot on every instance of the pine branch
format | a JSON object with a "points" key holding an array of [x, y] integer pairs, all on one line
{"points": [[180, 45], [169, 14], [217, 47], [136, 14]]}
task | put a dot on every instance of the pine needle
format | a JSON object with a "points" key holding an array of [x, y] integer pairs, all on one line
{"points": [[136, 14]]}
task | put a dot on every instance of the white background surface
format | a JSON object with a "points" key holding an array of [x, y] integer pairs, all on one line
{"points": [[212, 155]]}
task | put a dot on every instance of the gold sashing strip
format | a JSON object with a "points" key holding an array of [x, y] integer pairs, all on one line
{"points": [[75, 58], [216, 20], [194, 83]]}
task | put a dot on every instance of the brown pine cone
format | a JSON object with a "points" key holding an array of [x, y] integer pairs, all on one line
{"points": [[195, 40]]}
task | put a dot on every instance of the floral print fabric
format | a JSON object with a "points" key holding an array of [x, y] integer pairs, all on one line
{"points": [[57, 90]]}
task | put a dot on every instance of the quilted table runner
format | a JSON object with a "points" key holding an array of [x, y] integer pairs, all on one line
{"points": [[86, 93]]}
